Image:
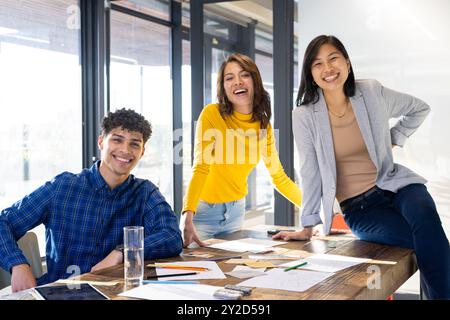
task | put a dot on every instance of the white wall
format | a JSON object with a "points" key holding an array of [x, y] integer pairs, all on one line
{"points": [[405, 44]]}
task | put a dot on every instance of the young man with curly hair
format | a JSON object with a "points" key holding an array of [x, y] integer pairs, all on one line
{"points": [[84, 214]]}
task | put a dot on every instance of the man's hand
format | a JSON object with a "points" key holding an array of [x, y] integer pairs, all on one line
{"points": [[188, 230], [22, 278], [112, 259], [304, 234]]}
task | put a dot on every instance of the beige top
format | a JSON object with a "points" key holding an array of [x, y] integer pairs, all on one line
{"points": [[355, 171]]}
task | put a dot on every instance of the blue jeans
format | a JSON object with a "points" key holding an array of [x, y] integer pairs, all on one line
{"points": [[214, 218], [407, 219]]}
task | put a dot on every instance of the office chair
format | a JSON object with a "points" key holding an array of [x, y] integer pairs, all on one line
{"points": [[30, 248]]}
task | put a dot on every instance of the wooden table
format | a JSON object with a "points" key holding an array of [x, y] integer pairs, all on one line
{"points": [[393, 265]]}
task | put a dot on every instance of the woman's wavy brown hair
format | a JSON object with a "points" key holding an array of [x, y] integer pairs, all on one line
{"points": [[261, 99]]}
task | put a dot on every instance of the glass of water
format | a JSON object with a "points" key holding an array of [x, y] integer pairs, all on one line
{"points": [[133, 242]]}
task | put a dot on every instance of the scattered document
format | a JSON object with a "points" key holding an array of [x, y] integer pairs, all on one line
{"points": [[294, 280], [326, 262], [214, 271], [247, 244], [7, 294], [173, 292], [244, 272]]}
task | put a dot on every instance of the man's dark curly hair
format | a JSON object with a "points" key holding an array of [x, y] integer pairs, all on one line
{"points": [[127, 119]]}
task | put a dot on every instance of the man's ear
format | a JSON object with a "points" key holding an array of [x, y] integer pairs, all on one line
{"points": [[100, 142], [143, 151]]}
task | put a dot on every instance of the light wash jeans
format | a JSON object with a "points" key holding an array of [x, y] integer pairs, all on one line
{"points": [[214, 218]]}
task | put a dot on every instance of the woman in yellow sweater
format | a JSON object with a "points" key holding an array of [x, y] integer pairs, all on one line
{"points": [[231, 137]]}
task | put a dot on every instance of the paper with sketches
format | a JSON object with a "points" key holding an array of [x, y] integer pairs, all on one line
{"points": [[244, 272], [326, 262], [172, 292], [214, 271], [294, 280], [247, 244]]}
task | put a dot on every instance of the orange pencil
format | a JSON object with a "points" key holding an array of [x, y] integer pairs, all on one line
{"points": [[178, 267]]}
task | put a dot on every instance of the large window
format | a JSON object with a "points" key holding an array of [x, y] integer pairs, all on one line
{"points": [[140, 79], [40, 99], [155, 8]]}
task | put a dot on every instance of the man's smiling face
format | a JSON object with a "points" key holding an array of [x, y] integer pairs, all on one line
{"points": [[120, 152]]}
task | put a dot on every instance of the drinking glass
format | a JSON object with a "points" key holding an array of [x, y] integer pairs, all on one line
{"points": [[133, 243]]}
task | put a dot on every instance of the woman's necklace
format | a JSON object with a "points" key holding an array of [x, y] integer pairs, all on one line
{"points": [[343, 114]]}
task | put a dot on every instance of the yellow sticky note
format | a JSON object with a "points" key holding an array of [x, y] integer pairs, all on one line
{"points": [[260, 264]]}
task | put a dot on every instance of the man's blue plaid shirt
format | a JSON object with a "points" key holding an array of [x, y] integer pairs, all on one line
{"points": [[84, 218]]}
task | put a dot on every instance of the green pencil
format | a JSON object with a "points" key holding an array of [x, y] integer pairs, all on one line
{"points": [[296, 266]]}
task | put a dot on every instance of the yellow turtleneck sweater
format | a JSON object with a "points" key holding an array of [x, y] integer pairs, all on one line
{"points": [[226, 150]]}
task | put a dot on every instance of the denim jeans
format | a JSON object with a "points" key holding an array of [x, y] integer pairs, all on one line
{"points": [[214, 218], [407, 219]]}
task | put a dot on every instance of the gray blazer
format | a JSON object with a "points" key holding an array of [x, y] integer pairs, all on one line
{"points": [[373, 106]]}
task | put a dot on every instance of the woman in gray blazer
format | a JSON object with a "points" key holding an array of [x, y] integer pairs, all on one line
{"points": [[341, 129]]}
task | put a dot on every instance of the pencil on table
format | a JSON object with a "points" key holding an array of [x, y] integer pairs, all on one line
{"points": [[178, 267]]}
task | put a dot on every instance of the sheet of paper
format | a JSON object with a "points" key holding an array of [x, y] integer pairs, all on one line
{"points": [[214, 271], [244, 272], [326, 262], [247, 244], [172, 292], [294, 280], [7, 294]]}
